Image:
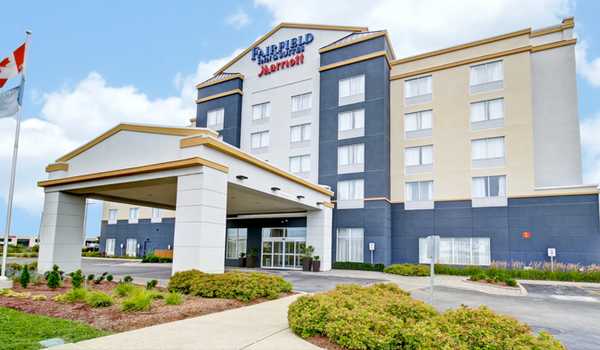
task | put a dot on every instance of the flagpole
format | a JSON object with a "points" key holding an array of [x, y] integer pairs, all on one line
{"points": [[13, 169]]}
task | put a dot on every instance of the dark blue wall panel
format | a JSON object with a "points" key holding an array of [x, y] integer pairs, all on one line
{"points": [[149, 235], [233, 116]]}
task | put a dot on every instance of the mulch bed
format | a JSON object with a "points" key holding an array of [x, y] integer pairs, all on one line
{"points": [[111, 318], [324, 342]]}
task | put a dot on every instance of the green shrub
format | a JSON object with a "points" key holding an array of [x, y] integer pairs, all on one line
{"points": [[511, 282], [98, 299], [76, 279], [244, 286], [54, 278], [90, 277], [127, 279], [25, 277], [72, 296], [109, 278], [140, 300], [183, 281], [151, 284], [408, 270], [124, 289], [39, 297], [174, 298], [383, 316], [348, 265]]}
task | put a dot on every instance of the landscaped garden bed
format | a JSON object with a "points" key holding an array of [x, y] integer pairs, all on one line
{"points": [[120, 306], [383, 316]]}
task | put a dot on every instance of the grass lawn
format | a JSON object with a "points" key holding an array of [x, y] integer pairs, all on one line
{"points": [[19, 330]]}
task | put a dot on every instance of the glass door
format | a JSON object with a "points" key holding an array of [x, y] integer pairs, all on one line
{"points": [[283, 248]]}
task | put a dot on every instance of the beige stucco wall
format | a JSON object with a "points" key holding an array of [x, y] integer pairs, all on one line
{"points": [[123, 211]]}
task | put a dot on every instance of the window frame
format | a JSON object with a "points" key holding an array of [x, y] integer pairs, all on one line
{"points": [[301, 158], [220, 118], [239, 248], [134, 219], [302, 97], [420, 148], [260, 134], [303, 132], [487, 141], [407, 83], [111, 220], [487, 186], [265, 111], [419, 190], [351, 231]]}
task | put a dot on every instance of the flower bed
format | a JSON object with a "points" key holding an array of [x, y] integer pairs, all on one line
{"points": [[243, 286], [383, 316]]}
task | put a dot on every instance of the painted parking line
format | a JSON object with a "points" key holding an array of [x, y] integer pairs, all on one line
{"points": [[576, 298]]}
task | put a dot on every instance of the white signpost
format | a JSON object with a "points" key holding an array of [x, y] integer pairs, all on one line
{"points": [[372, 249], [432, 254], [552, 255]]}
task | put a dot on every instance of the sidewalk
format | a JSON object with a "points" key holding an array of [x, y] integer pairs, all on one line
{"points": [[260, 326]]}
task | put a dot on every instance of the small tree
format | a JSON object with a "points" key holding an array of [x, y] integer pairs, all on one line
{"points": [[54, 278], [76, 279], [25, 277]]}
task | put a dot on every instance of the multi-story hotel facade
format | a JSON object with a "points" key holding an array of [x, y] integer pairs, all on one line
{"points": [[477, 143]]}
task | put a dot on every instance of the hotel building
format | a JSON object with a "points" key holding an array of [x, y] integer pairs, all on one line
{"points": [[477, 143]]}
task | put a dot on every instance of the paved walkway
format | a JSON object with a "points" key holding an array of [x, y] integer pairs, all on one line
{"points": [[262, 326]]}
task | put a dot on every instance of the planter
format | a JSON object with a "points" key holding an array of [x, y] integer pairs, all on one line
{"points": [[251, 261], [242, 261], [316, 265], [306, 264]]}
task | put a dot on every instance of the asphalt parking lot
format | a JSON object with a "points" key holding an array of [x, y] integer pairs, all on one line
{"points": [[570, 313]]}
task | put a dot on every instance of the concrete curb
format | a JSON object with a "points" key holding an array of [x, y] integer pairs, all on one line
{"points": [[561, 283]]}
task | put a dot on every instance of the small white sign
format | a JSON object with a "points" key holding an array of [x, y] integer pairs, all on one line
{"points": [[552, 252], [372, 246]]}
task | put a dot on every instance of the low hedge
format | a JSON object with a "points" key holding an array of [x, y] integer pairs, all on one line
{"points": [[151, 258], [383, 316], [408, 269], [348, 265], [586, 275], [244, 286]]}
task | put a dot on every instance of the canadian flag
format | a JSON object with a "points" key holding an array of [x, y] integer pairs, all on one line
{"points": [[12, 65]]}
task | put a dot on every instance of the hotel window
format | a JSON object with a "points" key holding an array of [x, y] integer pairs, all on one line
{"points": [[487, 114], [487, 152], [350, 244], [109, 247], [156, 215], [489, 186], [300, 164], [418, 159], [458, 251], [351, 158], [214, 118], [350, 194], [134, 214], [417, 90], [261, 112], [486, 77], [351, 90], [259, 140], [131, 247], [236, 242], [418, 124], [419, 191], [301, 102], [112, 216], [351, 124], [300, 133]]}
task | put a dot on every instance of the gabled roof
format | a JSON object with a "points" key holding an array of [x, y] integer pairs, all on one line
{"points": [[147, 128], [354, 38], [289, 25]]}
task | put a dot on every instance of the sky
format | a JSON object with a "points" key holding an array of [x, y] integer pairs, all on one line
{"points": [[94, 64]]}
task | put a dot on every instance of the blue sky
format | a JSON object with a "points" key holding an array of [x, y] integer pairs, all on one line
{"points": [[93, 64]]}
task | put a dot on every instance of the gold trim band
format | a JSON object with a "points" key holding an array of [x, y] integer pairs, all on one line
{"points": [[177, 164], [356, 60], [219, 81], [222, 94], [57, 167], [236, 153]]}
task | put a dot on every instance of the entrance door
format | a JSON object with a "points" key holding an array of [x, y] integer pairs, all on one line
{"points": [[131, 249], [282, 248]]}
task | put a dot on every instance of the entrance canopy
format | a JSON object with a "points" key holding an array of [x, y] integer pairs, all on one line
{"points": [[183, 169]]}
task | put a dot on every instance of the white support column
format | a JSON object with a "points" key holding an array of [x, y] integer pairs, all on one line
{"points": [[61, 232], [200, 219], [318, 234]]}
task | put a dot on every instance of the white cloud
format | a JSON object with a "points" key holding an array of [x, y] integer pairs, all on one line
{"points": [[238, 19], [76, 114], [590, 129], [424, 25], [586, 67]]}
